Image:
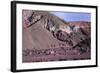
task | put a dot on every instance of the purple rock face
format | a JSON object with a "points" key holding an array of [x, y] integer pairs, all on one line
{"points": [[45, 37]]}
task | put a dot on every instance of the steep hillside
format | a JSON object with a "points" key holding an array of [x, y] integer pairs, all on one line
{"points": [[46, 37]]}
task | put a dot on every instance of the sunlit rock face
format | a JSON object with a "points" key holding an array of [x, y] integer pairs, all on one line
{"points": [[46, 37]]}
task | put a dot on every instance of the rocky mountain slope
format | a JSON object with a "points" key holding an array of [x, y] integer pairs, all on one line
{"points": [[46, 37]]}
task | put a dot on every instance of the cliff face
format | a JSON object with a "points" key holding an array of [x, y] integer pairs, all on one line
{"points": [[44, 31]]}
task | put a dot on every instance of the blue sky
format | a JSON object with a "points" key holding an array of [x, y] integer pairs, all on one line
{"points": [[73, 16]]}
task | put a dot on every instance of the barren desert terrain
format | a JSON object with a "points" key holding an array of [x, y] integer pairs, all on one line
{"points": [[46, 37]]}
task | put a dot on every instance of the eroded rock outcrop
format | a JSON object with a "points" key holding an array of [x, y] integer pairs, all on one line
{"points": [[46, 37]]}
